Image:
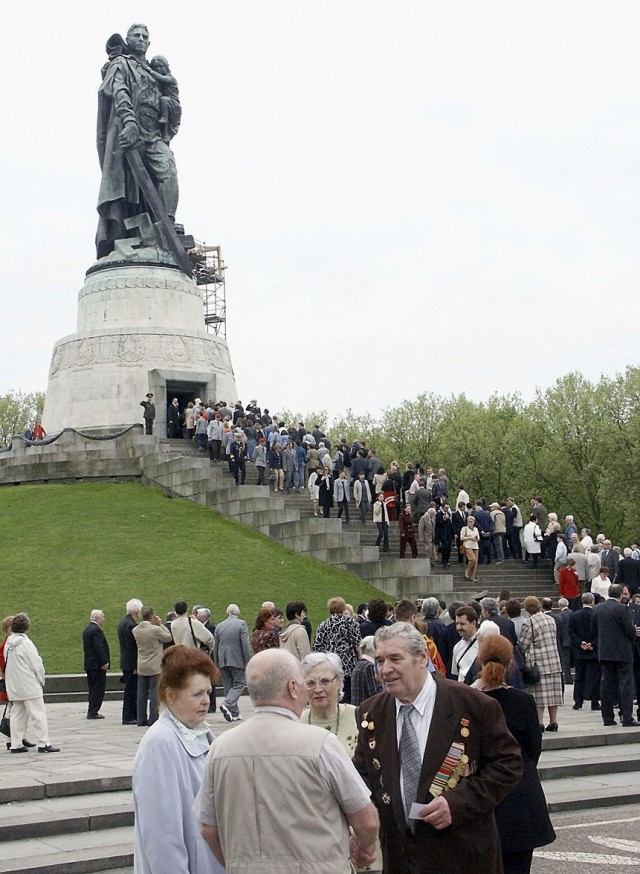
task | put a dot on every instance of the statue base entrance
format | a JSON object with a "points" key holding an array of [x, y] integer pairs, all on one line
{"points": [[140, 329]]}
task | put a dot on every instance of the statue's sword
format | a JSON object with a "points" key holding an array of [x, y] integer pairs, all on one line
{"points": [[141, 175]]}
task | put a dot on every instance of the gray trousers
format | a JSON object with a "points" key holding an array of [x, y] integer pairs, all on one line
{"points": [[233, 683], [147, 691]]}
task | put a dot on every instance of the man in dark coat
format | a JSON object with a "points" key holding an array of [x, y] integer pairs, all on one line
{"points": [[586, 686], [614, 632], [491, 611], [634, 609], [149, 413], [609, 558], [484, 524], [173, 419], [459, 520], [96, 662], [437, 757], [629, 572], [563, 638], [129, 661]]}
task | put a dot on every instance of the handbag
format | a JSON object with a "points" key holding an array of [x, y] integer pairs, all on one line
{"points": [[531, 673], [5, 724]]}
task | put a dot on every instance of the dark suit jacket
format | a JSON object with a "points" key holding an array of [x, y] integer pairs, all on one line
{"points": [[634, 609], [470, 845], [609, 558], [629, 574], [580, 630], [612, 627], [128, 648], [506, 626], [96, 648], [562, 628], [459, 521]]}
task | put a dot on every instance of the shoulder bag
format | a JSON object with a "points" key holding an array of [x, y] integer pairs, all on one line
{"points": [[5, 724], [530, 671]]}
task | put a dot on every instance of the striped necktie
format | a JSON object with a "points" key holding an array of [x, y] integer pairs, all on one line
{"points": [[410, 759]]}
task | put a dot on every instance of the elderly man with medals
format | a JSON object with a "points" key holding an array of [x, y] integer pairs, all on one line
{"points": [[437, 758]]}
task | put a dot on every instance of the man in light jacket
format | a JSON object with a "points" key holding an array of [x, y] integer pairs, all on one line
{"points": [[149, 635]]}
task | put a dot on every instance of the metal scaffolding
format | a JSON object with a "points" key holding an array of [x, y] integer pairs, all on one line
{"points": [[208, 272]]}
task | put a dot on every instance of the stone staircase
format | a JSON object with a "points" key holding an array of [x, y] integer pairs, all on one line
{"points": [[288, 518], [355, 550]]}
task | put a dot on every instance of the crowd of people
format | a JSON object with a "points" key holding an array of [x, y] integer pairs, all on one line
{"points": [[348, 477], [370, 678]]}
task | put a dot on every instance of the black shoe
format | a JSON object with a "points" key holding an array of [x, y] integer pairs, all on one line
{"points": [[596, 707], [632, 723], [95, 716], [19, 750], [129, 721], [226, 712], [578, 707], [609, 722], [553, 726], [26, 743], [48, 749]]}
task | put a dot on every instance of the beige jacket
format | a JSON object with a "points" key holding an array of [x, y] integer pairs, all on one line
{"points": [[149, 640]]}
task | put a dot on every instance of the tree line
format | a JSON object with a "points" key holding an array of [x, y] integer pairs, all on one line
{"points": [[577, 444]]}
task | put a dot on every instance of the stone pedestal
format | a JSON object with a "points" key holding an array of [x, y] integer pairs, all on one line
{"points": [[140, 329]]}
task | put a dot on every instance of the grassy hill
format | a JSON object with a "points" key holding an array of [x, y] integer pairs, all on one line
{"points": [[67, 549]]}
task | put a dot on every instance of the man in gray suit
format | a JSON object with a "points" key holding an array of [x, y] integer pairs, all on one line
{"points": [[231, 654]]}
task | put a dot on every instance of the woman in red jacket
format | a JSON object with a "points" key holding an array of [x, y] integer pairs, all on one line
{"points": [[569, 585]]}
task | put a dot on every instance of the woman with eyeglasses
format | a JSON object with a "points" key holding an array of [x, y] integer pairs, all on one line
{"points": [[323, 676]]}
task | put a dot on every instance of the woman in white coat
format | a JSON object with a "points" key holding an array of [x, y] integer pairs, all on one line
{"points": [[169, 767], [24, 676], [532, 536]]}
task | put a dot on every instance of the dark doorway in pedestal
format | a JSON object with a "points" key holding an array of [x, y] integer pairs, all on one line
{"points": [[185, 392]]}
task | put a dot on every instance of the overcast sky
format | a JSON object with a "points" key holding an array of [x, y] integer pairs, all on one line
{"points": [[409, 196]]}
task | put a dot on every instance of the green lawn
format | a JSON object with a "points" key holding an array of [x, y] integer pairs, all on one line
{"points": [[66, 549]]}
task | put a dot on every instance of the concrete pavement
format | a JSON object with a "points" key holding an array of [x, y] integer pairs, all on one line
{"points": [[71, 812]]}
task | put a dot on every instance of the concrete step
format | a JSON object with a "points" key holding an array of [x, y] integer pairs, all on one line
{"points": [[65, 815], [587, 793], [69, 853], [596, 760]]}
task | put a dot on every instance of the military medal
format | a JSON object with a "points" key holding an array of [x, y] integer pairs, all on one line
{"points": [[450, 770], [464, 731], [376, 764], [372, 743]]}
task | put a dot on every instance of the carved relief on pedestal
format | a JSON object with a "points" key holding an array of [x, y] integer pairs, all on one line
{"points": [[100, 282], [131, 349], [177, 349]]}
